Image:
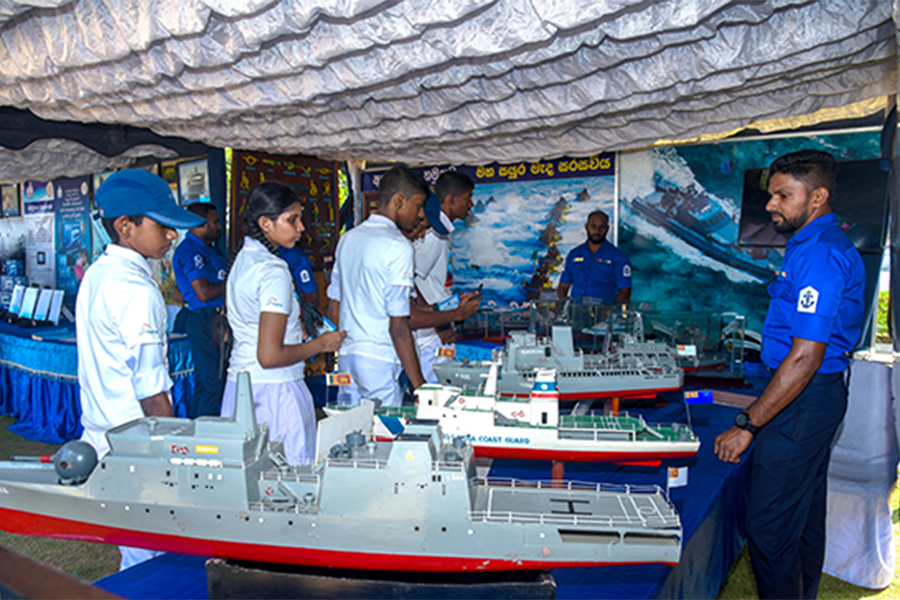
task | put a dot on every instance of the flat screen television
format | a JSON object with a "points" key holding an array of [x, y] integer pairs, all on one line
{"points": [[860, 202]]}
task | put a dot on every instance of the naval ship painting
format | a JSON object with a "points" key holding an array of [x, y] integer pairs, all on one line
{"points": [[217, 487], [698, 219], [631, 369], [533, 429]]}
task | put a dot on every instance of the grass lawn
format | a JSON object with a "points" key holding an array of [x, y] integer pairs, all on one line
{"points": [[89, 562]]}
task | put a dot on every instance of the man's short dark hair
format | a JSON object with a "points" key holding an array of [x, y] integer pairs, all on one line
{"points": [[813, 168], [453, 183], [598, 212], [401, 180], [201, 209], [111, 230]]}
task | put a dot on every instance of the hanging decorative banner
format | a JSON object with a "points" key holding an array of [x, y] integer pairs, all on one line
{"points": [[39, 245], [72, 207], [314, 180]]}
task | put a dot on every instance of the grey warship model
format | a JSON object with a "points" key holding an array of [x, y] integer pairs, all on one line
{"points": [[218, 487], [632, 369]]}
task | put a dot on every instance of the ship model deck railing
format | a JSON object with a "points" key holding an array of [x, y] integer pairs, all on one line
{"points": [[292, 476], [297, 508], [618, 488], [621, 521]]}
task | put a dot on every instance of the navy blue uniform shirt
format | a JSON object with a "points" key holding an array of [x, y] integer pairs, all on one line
{"points": [[193, 260], [817, 296], [301, 268], [599, 275]]}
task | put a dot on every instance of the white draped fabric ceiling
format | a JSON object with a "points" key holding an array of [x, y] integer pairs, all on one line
{"points": [[432, 81]]}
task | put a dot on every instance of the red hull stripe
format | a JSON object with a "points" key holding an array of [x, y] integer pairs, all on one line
{"points": [[524, 453], [647, 393], [15, 521]]}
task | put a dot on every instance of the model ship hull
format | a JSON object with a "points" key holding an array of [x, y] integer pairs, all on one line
{"points": [[578, 385], [216, 487]]}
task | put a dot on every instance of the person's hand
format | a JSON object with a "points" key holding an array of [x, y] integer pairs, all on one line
{"points": [[331, 340], [448, 336], [731, 444], [468, 305]]}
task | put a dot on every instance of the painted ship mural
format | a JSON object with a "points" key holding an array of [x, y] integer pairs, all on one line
{"points": [[699, 219]]}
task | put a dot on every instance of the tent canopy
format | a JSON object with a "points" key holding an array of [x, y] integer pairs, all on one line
{"points": [[468, 81]]}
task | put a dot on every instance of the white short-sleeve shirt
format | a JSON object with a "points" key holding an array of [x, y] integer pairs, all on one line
{"points": [[370, 259], [431, 274], [121, 335], [260, 282]]}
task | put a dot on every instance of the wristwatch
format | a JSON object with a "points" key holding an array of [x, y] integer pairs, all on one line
{"points": [[743, 421]]}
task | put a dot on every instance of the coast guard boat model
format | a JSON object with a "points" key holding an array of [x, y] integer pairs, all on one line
{"points": [[217, 487], [630, 369], [532, 428]]}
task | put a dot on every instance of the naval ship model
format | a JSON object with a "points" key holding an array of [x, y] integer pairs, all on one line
{"points": [[533, 429], [630, 369], [218, 487]]}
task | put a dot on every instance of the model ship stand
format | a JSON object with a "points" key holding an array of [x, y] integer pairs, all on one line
{"points": [[231, 579]]}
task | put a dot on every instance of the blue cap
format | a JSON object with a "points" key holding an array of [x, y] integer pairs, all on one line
{"points": [[433, 214], [138, 192]]}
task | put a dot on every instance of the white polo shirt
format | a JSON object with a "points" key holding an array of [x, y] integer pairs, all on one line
{"points": [[370, 259], [260, 282], [121, 334], [431, 273]]}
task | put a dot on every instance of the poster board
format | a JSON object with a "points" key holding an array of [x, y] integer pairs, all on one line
{"points": [[315, 182], [73, 233], [38, 203], [10, 206]]}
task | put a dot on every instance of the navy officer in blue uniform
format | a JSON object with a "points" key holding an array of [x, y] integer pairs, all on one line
{"points": [[200, 273], [814, 321], [596, 268]]}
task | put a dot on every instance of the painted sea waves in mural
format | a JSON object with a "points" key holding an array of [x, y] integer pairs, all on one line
{"points": [[526, 218], [679, 215], [519, 234]]}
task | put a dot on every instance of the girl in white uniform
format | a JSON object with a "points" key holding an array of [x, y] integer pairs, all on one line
{"points": [[264, 314]]}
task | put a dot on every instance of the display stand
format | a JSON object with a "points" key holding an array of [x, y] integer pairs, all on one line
{"points": [[234, 579]]}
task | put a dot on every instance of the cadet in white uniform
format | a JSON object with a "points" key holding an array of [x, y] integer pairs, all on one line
{"points": [[372, 280], [122, 368], [434, 280], [264, 313]]}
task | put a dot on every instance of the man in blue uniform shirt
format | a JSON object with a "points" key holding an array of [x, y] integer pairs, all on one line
{"points": [[814, 321], [596, 268], [200, 274], [302, 272]]}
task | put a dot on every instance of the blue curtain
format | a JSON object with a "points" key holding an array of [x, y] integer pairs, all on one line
{"points": [[39, 385]]}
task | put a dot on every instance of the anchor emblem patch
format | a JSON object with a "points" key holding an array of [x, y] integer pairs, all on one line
{"points": [[809, 298]]}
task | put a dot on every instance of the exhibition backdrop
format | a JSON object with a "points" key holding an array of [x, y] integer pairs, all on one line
{"points": [[526, 217], [679, 214]]}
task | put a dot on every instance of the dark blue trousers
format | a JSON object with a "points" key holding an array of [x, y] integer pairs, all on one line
{"points": [[787, 494], [201, 327]]}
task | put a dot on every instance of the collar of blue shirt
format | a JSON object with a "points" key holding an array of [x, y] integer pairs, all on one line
{"points": [[813, 228]]}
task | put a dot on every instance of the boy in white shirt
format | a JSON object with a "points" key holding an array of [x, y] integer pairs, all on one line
{"points": [[120, 313], [372, 280]]}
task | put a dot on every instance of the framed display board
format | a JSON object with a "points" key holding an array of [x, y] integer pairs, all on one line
{"points": [[193, 182], [10, 201], [370, 203], [315, 182]]}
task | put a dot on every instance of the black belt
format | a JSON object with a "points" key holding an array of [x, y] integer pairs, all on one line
{"points": [[205, 310]]}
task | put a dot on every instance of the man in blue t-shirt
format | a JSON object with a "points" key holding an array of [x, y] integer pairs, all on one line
{"points": [[814, 321], [302, 271], [200, 276], [596, 268]]}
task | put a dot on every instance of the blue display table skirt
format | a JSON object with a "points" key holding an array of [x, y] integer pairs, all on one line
{"points": [[39, 384]]}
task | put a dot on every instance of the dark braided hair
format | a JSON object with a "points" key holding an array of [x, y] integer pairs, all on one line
{"points": [[270, 199]]}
